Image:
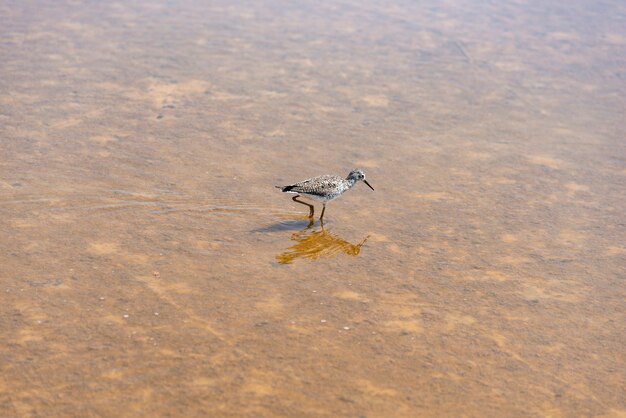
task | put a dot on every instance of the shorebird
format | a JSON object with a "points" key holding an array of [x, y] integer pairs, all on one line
{"points": [[324, 188]]}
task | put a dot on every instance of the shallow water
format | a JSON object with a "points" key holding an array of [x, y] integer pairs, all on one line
{"points": [[148, 267]]}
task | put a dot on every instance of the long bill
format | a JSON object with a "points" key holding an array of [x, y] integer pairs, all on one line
{"points": [[369, 185]]}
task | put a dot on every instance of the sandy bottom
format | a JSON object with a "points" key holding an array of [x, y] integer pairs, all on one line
{"points": [[148, 266]]}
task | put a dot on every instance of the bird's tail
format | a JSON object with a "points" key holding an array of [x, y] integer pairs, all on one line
{"points": [[285, 188]]}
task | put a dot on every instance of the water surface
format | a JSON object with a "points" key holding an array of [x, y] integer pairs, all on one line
{"points": [[148, 267]]}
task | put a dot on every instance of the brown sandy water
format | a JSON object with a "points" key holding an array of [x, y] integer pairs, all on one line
{"points": [[148, 267]]}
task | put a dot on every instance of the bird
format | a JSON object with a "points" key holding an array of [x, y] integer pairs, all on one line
{"points": [[324, 188]]}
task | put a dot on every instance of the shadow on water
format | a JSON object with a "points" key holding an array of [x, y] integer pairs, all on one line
{"points": [[287, 225], [316, 242]]}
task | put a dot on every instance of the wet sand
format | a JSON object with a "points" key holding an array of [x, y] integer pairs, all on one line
{"points": [[148, 267]]}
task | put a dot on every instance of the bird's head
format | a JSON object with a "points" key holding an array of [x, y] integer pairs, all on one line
{"points": [[358, 175]]}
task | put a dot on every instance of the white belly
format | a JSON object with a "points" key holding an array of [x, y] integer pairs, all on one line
{"points": [[317, 198]]}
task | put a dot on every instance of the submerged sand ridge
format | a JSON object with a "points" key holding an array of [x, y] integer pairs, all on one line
{"points": [[148, 267]]}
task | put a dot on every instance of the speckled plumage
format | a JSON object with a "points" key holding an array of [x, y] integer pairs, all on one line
{"points": [[324, 188]]}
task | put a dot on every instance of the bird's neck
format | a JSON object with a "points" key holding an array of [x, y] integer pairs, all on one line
{"points": [[351, 182]]}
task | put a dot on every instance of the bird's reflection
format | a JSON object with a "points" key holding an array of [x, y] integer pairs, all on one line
{"points": [[314, 243]]}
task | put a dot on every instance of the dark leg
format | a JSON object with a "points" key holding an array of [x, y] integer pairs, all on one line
{"points": [[311, 207], [324, 209]]}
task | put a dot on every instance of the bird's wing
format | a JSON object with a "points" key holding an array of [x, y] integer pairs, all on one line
{"points": [[318, 185]]}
